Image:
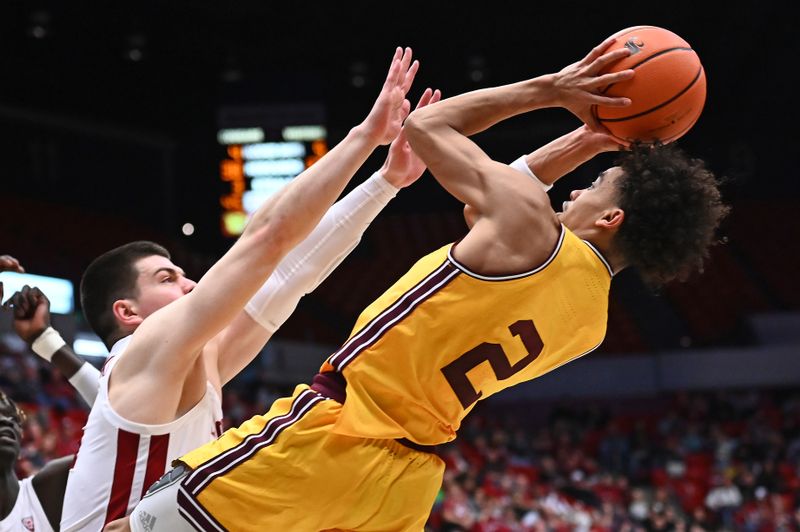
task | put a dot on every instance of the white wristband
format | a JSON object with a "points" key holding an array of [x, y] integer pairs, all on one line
{"points": [[48, 343], [521, 164]]}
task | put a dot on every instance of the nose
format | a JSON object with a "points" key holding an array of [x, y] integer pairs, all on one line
{"points": [[188, 285], [574, 194]]}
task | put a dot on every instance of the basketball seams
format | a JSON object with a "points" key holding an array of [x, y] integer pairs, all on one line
{"points": [[659, 106], [653, 56], [662, 52]]}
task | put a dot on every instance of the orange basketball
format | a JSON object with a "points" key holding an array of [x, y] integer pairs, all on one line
{"points": [[667, 93]]}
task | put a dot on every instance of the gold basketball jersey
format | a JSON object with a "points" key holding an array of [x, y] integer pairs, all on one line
{"points": [[443, 337]]}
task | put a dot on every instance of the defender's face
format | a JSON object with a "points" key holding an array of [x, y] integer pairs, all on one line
{"points": [[588, 205], [10, 434], [160, 283]]}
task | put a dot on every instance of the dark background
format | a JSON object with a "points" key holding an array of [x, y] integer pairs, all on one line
{"points": [[108, 118]]}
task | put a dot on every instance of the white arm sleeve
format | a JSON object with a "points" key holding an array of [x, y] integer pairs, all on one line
{"points": [[308, 264], [86, 380], [522, 165]]}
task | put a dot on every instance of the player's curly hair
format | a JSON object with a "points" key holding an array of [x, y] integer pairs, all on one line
{"points": [[673, 208]]}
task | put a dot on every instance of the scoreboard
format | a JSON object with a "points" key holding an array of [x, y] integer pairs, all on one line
{"points": [[264, 148]]}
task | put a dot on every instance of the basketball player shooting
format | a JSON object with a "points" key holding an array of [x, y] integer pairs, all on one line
{"points": [[522, 293]]}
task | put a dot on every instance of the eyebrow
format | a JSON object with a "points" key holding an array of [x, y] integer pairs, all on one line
{"points": [[171, 271]]}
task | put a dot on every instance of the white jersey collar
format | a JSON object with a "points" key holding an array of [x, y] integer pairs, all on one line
{"points": [[120, 345]]}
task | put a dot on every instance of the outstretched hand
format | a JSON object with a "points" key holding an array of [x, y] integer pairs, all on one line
{"points": [[402, 166], [579, 85], [386, 117]]}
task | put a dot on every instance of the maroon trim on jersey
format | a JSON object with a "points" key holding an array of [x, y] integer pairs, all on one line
{"points": [[224, 462], [514, 276], [103, 368], [156, 461], [124, 468], [375, 329], [195, 514], [601, 257]]}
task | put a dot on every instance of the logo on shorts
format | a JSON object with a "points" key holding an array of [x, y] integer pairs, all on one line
{"points": [[147, 521], [27, 522], [635, 45]]}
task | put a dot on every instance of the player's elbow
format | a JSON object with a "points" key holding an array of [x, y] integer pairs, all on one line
{"points": [[419, 128]]}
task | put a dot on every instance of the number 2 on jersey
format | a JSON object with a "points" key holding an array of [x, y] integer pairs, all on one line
{"points": [[456, 371]]}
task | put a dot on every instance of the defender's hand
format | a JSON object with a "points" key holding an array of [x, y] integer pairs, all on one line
{"points": [[402, 166], [391, 108]]}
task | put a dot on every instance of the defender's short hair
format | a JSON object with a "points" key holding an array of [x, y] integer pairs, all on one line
{"points": [[110, 277]]}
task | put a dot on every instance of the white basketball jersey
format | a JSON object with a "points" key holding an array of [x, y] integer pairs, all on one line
{"points": [[119, 460], [27, 514]]}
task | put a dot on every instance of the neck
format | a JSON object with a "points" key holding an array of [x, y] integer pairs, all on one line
{"points": [[604, 244], [9, 490]]}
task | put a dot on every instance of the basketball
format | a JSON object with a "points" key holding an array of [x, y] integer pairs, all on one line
{"points": [[667, 93]]}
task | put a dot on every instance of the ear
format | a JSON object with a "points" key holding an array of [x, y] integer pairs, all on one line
{"points": [[125, 313], [611, 219]]}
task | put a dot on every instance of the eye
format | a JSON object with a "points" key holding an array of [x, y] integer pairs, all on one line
{"points": [[166, 280]]}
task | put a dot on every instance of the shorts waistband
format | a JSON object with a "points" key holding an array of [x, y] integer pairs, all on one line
{"points": [[330, 384], [416, 446], [333, 385]]}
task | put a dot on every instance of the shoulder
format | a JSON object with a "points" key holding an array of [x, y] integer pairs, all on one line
{"points": [[519, 241], [52, 475], [49, 485]]}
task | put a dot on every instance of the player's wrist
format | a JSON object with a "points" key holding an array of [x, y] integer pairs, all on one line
{"points": [[521, 164], [546, 91], [47, 343], [383, 185], [593, 143], [364, 133]]}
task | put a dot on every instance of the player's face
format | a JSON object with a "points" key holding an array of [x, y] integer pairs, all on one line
{"points": [[588, 205], [10, 433], [160, 283]]}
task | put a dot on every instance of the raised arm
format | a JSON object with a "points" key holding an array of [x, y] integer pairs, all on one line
{"points": [[438, 133], [557, 158], [561, 156], [514, 218], [165, 347], [310, 263], [32, 324]]}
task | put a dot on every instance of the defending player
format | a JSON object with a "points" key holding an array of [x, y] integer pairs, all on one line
{"points": [[174, 342]]}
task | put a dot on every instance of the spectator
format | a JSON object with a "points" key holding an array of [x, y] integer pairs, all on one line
{"points": [[724, 499]]}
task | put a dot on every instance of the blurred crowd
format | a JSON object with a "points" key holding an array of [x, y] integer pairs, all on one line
{"points": [[726, 460], [688, 461]]}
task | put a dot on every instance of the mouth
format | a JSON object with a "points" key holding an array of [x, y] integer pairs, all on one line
{"points": [[8, 434], [565, 206]]}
